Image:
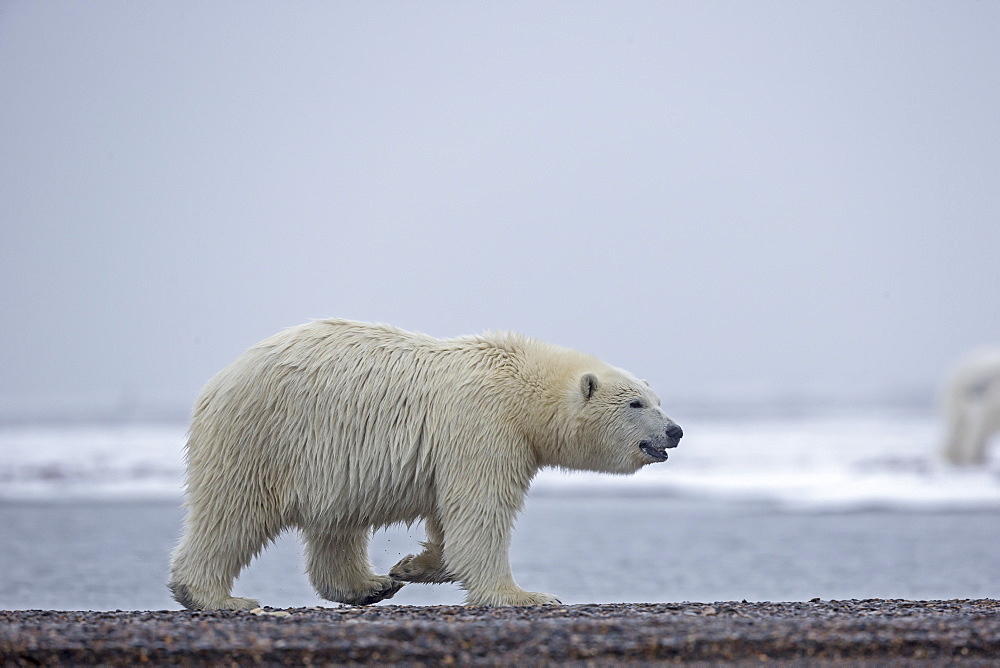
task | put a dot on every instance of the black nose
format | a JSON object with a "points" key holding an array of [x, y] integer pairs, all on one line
{"points": [[675, 432]]}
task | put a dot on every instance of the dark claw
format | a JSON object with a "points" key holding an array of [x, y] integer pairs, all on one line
{"points": [[383, 594]]}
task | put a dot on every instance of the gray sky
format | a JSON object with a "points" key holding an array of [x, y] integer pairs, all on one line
{"points": [[735, 200]]}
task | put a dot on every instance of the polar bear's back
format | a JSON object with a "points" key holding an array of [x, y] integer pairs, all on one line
{"points": [[973, 378], [322, 414]]}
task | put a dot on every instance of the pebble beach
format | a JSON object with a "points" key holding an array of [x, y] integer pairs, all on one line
{"points": [[819, 632]]}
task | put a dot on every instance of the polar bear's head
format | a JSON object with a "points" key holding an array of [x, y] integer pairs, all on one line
{"points": [[619, 425]]}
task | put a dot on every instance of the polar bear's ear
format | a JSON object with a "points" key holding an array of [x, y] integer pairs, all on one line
{"points": [[588, 385]]}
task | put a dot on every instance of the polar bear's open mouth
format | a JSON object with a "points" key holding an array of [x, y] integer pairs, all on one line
{"points": [[656, 453]]}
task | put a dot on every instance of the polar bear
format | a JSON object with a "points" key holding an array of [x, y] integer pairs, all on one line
{"points": [[338, 428], [972, 407]]}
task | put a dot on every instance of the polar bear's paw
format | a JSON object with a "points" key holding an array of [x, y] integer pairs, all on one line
{"points": [[424, 567], [514, 597], [237, 603], [194, 598], [377, 589]]}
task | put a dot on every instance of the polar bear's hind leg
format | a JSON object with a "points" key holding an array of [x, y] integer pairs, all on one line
{"points": [[339, 569], [204, 566]]}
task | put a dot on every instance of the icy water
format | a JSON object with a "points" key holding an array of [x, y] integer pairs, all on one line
{"points": [[842, 462], [850, 506]]}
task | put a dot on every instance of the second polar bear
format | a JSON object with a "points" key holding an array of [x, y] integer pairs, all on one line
{"points": [[972, 408], [338, 427]]}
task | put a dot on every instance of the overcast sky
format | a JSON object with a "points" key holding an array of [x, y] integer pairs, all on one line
{"points": [[735, 200]]}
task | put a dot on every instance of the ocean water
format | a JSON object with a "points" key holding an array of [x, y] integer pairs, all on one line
{"points": [[831, 462], [836, 506]]}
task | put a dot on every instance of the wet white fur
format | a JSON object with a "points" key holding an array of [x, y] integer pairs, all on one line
{"points": [[972, 407], [339, 427]]}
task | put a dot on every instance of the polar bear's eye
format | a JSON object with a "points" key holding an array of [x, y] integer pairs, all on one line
{"points": [[636, 403]]}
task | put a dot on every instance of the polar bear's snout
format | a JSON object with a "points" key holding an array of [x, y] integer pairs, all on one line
{"points": [[656, 448], [675, 433]]}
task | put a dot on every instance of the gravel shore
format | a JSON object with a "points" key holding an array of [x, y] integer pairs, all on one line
{"points": [[882, 632]]}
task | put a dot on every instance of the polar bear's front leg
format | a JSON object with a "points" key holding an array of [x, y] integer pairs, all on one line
{"points": [[477, 543], [428, 566], [340, 571]]}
